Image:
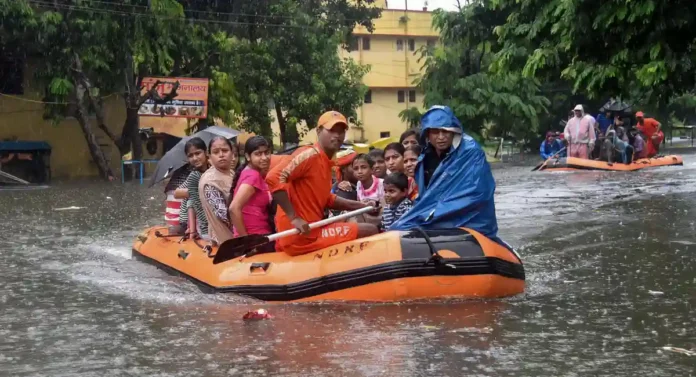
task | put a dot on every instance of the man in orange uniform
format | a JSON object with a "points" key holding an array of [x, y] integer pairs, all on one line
{"points": [[302, 188], [653, 135]]}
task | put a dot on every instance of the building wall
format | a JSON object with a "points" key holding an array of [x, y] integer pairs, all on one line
{"points": [[391, 70], [70, 157]]}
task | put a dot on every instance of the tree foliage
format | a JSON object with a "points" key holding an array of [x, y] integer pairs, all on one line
{"points": [[281, 52], [457, 74], [296, 66], [411, 116], [641, 50]]}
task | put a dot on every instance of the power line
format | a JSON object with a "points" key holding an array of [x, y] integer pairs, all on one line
{"points": [[194, 20]]}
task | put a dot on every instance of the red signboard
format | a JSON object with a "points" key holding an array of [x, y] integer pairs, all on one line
{"points": [[191, 100]]}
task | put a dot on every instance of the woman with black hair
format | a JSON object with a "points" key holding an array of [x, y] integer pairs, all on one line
{"points": [[216, 185], [191, 215], [409, 138], [249, 210]]}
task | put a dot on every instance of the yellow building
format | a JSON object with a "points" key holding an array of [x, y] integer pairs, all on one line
{"points": [[392, 53]]}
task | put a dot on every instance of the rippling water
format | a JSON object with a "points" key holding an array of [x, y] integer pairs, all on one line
{"points": [[610, 260]]}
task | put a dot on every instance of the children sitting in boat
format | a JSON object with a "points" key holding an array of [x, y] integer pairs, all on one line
{"points": [[410, 161], [394, 157], [369, 187], [346, 183], [616, 146], [192, 216], [216, 186], [409, 138], [249, 211], [454, 179], [302, 188], [396, 196], [172, 211], [379, 169]]}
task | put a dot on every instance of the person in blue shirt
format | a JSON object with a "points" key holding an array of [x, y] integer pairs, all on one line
{"points": [[550, 146], [603, 122]]}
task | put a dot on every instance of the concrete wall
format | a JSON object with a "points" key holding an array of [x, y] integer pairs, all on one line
{"points": [[70, 157]]}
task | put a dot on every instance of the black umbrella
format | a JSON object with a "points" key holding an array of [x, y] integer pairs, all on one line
{"points": [[616, 106], [176, 157]]}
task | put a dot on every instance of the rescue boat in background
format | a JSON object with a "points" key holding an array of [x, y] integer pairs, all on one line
{"points": [[391, 266], [574, 163]]}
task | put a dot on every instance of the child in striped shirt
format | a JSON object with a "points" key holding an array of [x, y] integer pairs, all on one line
{"points": [[396, 196]]}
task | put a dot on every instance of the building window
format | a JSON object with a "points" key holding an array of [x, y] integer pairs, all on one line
{"points": [[412, 45], [399, 45], [430, 43], [366, 43], [383, 134], [368, 97], [353, 43], [11, 76], [411, 96], [400, 96]]}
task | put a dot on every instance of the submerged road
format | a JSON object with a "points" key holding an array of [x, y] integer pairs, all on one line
{"points": [[610, 260]]}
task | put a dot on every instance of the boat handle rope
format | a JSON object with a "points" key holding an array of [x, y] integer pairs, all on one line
{"points": [[434, 256], [158, 234], [207, 249]]}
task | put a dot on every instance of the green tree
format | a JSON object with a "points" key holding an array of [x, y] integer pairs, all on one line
{"points": [[292, 46], [91, 48], [640, 50], [411, 116], [457, 74]]}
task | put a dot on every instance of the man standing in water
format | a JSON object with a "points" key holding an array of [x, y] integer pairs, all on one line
{"points": [[454, 179], [302, 188], [579, 134]]}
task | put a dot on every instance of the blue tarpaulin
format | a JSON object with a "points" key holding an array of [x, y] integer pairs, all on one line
{"points": [[24, 146], [460, 191]]}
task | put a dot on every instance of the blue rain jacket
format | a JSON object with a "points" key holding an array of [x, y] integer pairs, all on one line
{"points": [[461, 189], [549, 149]]}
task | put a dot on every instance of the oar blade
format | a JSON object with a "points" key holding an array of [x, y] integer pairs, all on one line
{"points": [[236, 247]]}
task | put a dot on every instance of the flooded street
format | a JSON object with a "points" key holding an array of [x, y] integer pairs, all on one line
{"points": [[610, 259]]}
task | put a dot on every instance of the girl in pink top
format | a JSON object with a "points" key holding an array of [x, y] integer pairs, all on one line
{"points": [[251, 200], [369, 186]]}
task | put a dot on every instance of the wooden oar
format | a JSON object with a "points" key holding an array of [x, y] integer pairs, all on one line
{"points": [[545, 161], [240, 246]]}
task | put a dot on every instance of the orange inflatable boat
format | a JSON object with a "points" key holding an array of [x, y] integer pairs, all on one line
{"points": [[391, 266], [574, 163]]}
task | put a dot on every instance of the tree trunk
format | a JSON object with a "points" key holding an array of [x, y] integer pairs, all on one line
{"points": [[281, 125], [82, 88], [94, 148], [202, 124]]}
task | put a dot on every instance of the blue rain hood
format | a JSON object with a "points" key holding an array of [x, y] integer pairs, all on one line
{"points": [[461, 189]]}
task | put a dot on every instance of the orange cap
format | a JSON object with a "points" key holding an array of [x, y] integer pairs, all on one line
{"points": [[344, 158], [331, 118], [639, 114]]}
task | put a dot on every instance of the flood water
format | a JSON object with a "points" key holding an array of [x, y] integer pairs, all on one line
{"points": [[611, 279]]}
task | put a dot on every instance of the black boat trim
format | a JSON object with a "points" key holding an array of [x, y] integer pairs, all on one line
{"points": [[350, 279]]}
